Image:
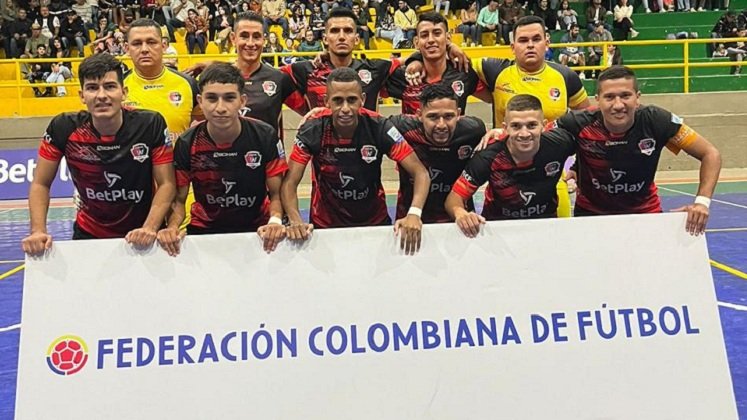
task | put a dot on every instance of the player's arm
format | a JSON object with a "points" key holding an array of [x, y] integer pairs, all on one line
{"points": [[710, 167], [475, 174], [39, 240], [297, 229], [292, 97], [274, 231], [170, 237], [163, 175], [410, 227]]}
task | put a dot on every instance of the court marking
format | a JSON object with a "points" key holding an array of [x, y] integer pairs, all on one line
{"points": [[12, 271], [730, 270], [733, 306], [712, 199], [10, 328], [11, 261], [726, 230]]}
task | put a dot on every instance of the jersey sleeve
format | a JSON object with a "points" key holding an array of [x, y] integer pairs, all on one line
{"points": [[276, 164], [474, 127], [567, 122], [395, 84], [488, 69], [292, 97], [473, 84], [562, 138], [574, 87], [54, 139], [182, 159], [307, 141], [670, 128], [387, 69], [163, 151], [476, 173], [299, 75], [393, 142]]}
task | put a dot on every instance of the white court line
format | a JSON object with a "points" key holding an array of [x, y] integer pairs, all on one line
{"points": [[733, 306], [10, 328], [713, 199]]}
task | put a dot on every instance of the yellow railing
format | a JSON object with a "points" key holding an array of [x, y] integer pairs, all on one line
{"points": [[186, 61]]}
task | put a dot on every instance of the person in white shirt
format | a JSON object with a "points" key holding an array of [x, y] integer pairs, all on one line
{"points": [[623, 19]]}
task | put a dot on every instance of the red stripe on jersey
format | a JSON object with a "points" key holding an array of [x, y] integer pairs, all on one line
{"points": [[162, 155], [326, 112], [395, 65], [276, 168], [400, 151], [49, 152], [299, 155], [182, 178], [85, 135], [366, 111], [479, 88], [464, 188], [296, 102]]}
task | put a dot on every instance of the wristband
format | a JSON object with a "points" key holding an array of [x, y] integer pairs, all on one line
{"points": [[274, 220], [701, 199], [415, 211]]}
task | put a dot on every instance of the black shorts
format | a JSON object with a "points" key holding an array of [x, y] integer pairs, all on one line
{"points": [[79, 233]]}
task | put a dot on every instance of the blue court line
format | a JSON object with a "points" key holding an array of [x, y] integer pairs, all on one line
{"points": [[12, 271]]}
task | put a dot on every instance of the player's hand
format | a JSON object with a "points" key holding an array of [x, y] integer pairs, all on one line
{"points": [[415, 73], [36, 243], [571, 180], [409, 230], [271, 234], [311, 114], [469, 223], [170, 240], [319, 60], [489, 137], [141, 237], [195, 69], [697, 217], [458, 58], [299, 231]]}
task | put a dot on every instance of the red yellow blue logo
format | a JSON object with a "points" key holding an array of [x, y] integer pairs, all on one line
{"points": [[67, 355]]}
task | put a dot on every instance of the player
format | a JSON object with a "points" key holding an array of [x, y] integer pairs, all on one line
{"points": [[521, 170], [235, 165], [116, 158], [345, 145]]}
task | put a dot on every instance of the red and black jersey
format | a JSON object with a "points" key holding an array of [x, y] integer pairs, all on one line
{"points": [[444, 163], [616, 172], [229, 181], [346, 189], [113, 174], [267, 89], [312, 82], [518, 190], [463, 84]]}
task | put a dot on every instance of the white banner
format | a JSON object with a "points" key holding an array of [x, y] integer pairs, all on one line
{"points": [[588, 318]]}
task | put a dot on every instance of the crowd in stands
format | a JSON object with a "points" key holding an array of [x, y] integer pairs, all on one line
{"points": [[730, 25]]}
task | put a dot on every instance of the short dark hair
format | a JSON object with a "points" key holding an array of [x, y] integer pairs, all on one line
{"points": [[435, 92], [343, 75], [339, 12], [145, 23], [524, 102], [618, 72], [97, 66], [434, 18], [223, 73], [249, 17], [572, 26], [528, 20]]}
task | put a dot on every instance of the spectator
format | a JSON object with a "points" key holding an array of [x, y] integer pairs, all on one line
{"points": [[623, 19], [169, 49], [362, 19], [273, 47], [317, 21], [298, 4], [385, 27], [309, 44], [298, 24], [124, 24], [255, 6], [405, 20], [58, 7], [659, 6], [117, 47], [131, 6], [488, 20], [599, 34], [274, 14], [106, 8], [221, 28], [736, 51], [50, 24], [468, 27], [566, 15], [18, 32], [684, 6], [197, 30], [179, 10], [614, 56], [36, 39], [725, 27], [3, 32], [38, 72], [59, 73], [84, 10], [595, 14], [570, 55], [204, 11], [72, 31], [509, 12], [8, 10], [442, 3], [57, 49], [104, 35], [547, 13], [290, 47], [742, 19], [720, 51]]}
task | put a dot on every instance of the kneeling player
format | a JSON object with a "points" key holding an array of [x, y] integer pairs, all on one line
{"points": [[522, 169], [235, 165], [115, 156]]}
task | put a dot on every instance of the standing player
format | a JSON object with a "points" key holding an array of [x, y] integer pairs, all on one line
{"points": [[115, 156], [443, 142], [619, 146], [521, 170], [346, 144], [234, 164], [432, 39]]}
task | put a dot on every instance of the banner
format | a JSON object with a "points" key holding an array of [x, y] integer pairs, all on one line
{"points": [[17, 172], [602, 317]]}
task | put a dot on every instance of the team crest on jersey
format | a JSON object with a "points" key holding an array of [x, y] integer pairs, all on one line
{"points": [[139, 152], [464, 152], [365, 76], [554, 94], [253, 159], [369, 153], [175, 98], [552, 168], [647, 146], [269, 87], [458, 87]]}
